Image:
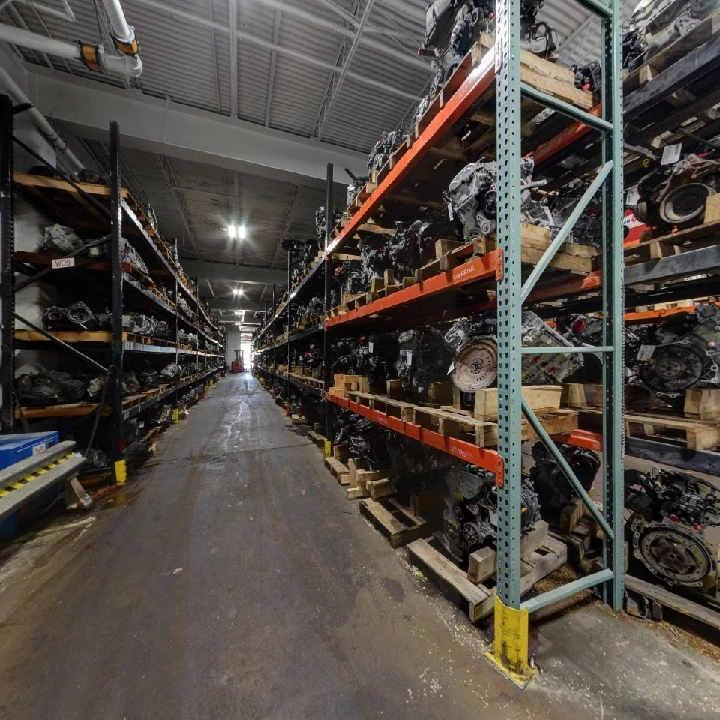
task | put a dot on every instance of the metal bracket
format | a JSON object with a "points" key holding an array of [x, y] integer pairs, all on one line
{"points": [[499, 264]]}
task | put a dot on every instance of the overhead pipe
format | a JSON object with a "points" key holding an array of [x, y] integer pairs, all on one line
{"points": [[43, 125], [93, 57], [123, 34]]}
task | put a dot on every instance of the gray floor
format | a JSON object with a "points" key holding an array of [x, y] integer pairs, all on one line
{"points": [[233, 580]]}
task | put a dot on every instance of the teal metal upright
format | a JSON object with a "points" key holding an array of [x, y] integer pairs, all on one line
{"points": [[510, 650]]}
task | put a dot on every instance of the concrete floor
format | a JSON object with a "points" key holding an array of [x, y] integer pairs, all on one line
{"points": [[234, 580]]}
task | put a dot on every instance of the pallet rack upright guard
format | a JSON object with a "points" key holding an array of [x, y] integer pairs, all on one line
{"points": [[510, 649]]}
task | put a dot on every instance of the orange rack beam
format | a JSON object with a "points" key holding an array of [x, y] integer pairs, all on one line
{"points": [[476, 83], [478, 269], [488, 459], [651, 315], [461, 449]]}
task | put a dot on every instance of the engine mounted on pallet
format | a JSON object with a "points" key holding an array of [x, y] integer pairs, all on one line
{"points": [[656, 23], [470, 516], [589, 227], [670, 513], [471, 199], [364, 439], [415, 467], [677, 354], [383, 149], [674, 196], [474, 366], [553, 489], [424, 359]]}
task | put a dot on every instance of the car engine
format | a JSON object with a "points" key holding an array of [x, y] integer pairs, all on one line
{"points": [[424, 358], [677, 354], [470, 515], [472, 200], [670, 513], [553, 489], [673, 196], [474, 366]]}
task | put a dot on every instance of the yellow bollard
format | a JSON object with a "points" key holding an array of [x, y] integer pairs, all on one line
{"points": [[510, 648], [176, 416], [120, 472], [328, 448]]}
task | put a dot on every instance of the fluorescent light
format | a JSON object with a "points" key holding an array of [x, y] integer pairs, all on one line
{"points": [[242, 232], [232, 232]]}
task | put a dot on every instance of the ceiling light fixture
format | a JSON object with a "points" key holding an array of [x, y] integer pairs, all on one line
{"points": [[242, 232], [232, 232]]}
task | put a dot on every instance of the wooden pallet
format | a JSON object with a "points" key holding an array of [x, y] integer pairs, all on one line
{"points": [[581, 395], [702, 404], [480, 598], [540, 398], [664, 598], [395, 521], [664, 427]]}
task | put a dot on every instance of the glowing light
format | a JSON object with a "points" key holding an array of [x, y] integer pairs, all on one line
{"points": [[232, 232]]}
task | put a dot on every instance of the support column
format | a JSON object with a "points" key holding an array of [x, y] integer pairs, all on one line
{"points": [[118, 443], [7, 274]]}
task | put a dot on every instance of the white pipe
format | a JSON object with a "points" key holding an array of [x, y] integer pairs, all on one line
{"points": [[121, 30], [127, 64], [43, 125]]}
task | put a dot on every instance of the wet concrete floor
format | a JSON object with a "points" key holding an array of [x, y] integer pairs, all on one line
{"points": [[232, 579]]}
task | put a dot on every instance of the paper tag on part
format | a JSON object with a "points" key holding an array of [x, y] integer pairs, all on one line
{"points": [[645, 352], [370, 347], [60, 263], [451, 368], [633, 197], [671, 154]]}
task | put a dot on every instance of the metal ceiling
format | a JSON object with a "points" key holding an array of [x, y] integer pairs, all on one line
{"points": [[341, 71]]}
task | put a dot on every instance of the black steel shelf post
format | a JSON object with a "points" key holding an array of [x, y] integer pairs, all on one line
{"points": [[117, 452], [288, 310], [7, 275], [176, 338], [327, 360]]}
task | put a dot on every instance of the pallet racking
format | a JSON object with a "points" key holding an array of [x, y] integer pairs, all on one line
{"points": [[519, 85], [91, 209], [664, 275]]}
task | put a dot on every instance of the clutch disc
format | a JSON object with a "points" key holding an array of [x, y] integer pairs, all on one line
{"points": [[476, 365], [685, 204], [672, 368], [675, 555]]}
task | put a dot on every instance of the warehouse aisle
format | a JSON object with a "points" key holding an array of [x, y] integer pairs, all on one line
{"points": [[233, 580]]}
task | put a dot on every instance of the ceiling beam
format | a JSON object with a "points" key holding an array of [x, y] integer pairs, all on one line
{"points": [[297, 55], [234, 273], [271, 80], [232, 11], [178, 131]]}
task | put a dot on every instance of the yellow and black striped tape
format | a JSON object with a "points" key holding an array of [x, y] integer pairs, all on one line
{"points": [[34, 475]]}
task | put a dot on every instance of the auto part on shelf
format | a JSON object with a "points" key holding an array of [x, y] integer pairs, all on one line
{"points": [[364, 439], [553, 489], [453, 26], [472, 200], [348, 279], [356, 184], [172, 372], [412, 247], [670, 513], [77, 316], [474, 366], [415, 467], [588, 229], [470, 515], [424, 359], [677, 354], [60, 239], [160, 414], [50, 387], [320, 223], [374, 257], [673, 196], [187, 338], [588, 77], [654, 24], [184, 306], [383, 149]]}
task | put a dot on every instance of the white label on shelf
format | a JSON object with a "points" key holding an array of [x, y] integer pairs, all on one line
{"points": [[671, 154], [645, 352], [60, 263], [633, 197], [40, 447], [370, 346]]}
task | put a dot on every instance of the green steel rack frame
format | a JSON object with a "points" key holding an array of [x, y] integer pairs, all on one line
{"points": [[510, 649]]}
